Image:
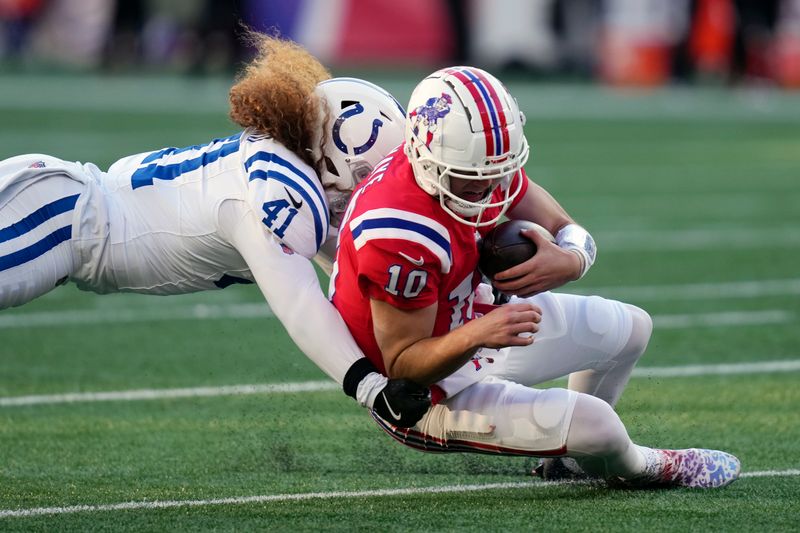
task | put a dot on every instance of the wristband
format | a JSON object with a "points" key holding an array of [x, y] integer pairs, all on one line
{"points": [[355, 374], [576, 239], [363, 382]]}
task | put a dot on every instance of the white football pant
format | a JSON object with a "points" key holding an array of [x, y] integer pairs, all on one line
{"points": [[594, 341], [36, 217]]}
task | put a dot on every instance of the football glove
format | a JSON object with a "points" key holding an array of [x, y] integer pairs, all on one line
{"points": [[401, 402]]}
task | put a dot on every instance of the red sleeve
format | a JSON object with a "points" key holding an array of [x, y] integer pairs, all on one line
{"points": [[521, 175], [403, 274]]}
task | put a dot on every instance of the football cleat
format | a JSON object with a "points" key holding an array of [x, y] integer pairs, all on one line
{"points": [[559, 469], [692, 468]]}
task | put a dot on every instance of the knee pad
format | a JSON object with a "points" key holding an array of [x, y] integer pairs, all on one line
{"points": [[601, 324], [544, 423], [641, 329]]}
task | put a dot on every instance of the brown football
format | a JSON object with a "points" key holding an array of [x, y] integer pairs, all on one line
{"points": [[504, 247]]}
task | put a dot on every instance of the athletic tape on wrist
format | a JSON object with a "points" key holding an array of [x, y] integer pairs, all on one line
{"points": [[355, 374], [575, 238]]}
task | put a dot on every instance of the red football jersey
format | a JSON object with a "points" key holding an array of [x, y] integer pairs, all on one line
{"points": [[399, 246]]}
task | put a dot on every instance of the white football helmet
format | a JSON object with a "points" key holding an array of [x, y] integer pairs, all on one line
{"points": [[362, 124], [463, 123]]}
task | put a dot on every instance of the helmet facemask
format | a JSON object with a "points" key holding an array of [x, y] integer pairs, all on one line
{"points": [[437, 178]]}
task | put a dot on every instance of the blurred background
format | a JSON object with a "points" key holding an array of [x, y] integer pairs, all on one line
{"points": [[618, 42]]}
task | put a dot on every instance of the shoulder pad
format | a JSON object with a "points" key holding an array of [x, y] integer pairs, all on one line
{"points": [[288, 193], [397, 224]]}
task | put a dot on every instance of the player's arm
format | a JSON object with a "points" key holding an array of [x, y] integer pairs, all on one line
{"points": [[290, 285], [409, 351], [554, 264]]}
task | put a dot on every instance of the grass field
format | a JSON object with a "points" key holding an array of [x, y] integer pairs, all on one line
{"points": [[694, 199]]}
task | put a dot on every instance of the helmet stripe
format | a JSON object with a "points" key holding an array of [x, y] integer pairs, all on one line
{"points": [[494, 107], [482, 108], [505, 145], [481, 83]]}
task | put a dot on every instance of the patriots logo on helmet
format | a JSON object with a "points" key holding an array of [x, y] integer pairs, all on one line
{"points": [[428, 115], [37, 164]]}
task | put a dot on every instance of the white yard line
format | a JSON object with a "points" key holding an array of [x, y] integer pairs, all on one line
{"points": [[159, 394], [790, 365], [726, 318], [73, 317], [127, 308], [268, 498], [699, 239], [698, 291], [124, 315]]}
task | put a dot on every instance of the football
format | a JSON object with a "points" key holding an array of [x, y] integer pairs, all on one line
{"points": [[504, 246]]}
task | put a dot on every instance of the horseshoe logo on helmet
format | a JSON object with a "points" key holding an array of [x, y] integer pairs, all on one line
{"points": [[337, 126]]}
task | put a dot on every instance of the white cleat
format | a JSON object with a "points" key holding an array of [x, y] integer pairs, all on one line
{"points": [[697, 468]]}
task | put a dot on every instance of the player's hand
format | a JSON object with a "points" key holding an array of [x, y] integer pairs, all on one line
{"points": [[402, 402], [511, 324], [398, 401], [550, 268]]}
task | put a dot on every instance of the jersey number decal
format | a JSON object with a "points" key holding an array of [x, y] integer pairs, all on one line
{"points": [[461, 299], [273, 210], [414, 282]]}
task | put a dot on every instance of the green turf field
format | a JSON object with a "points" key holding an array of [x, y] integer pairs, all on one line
{"points": [[694, 199]]}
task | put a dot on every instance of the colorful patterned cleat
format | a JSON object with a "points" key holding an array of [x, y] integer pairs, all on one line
{"points": [[695, 468]]}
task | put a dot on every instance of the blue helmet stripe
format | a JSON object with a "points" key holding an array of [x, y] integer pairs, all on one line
{"points": [[371, 86], [498, 141]]}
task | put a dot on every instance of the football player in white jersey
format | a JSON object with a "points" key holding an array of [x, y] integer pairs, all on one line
{"points": [[252, 207]]}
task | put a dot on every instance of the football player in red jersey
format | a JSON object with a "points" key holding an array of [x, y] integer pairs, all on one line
{"points": [[405, 282]]}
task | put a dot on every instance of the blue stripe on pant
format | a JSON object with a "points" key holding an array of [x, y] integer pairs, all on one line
{"points": [[32, 221], [38, 217], [37, 249]]}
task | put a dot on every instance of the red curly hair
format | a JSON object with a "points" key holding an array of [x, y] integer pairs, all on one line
{"points": [[274, 94]]}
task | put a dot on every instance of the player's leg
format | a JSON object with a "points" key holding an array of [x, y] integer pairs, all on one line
{"points": [[594, 340], [610, 378], [36, 217], [599, 443], [499, 417], [494, 416]]}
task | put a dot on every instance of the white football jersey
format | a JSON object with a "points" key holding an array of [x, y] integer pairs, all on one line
{"points": [[150, 224]]}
